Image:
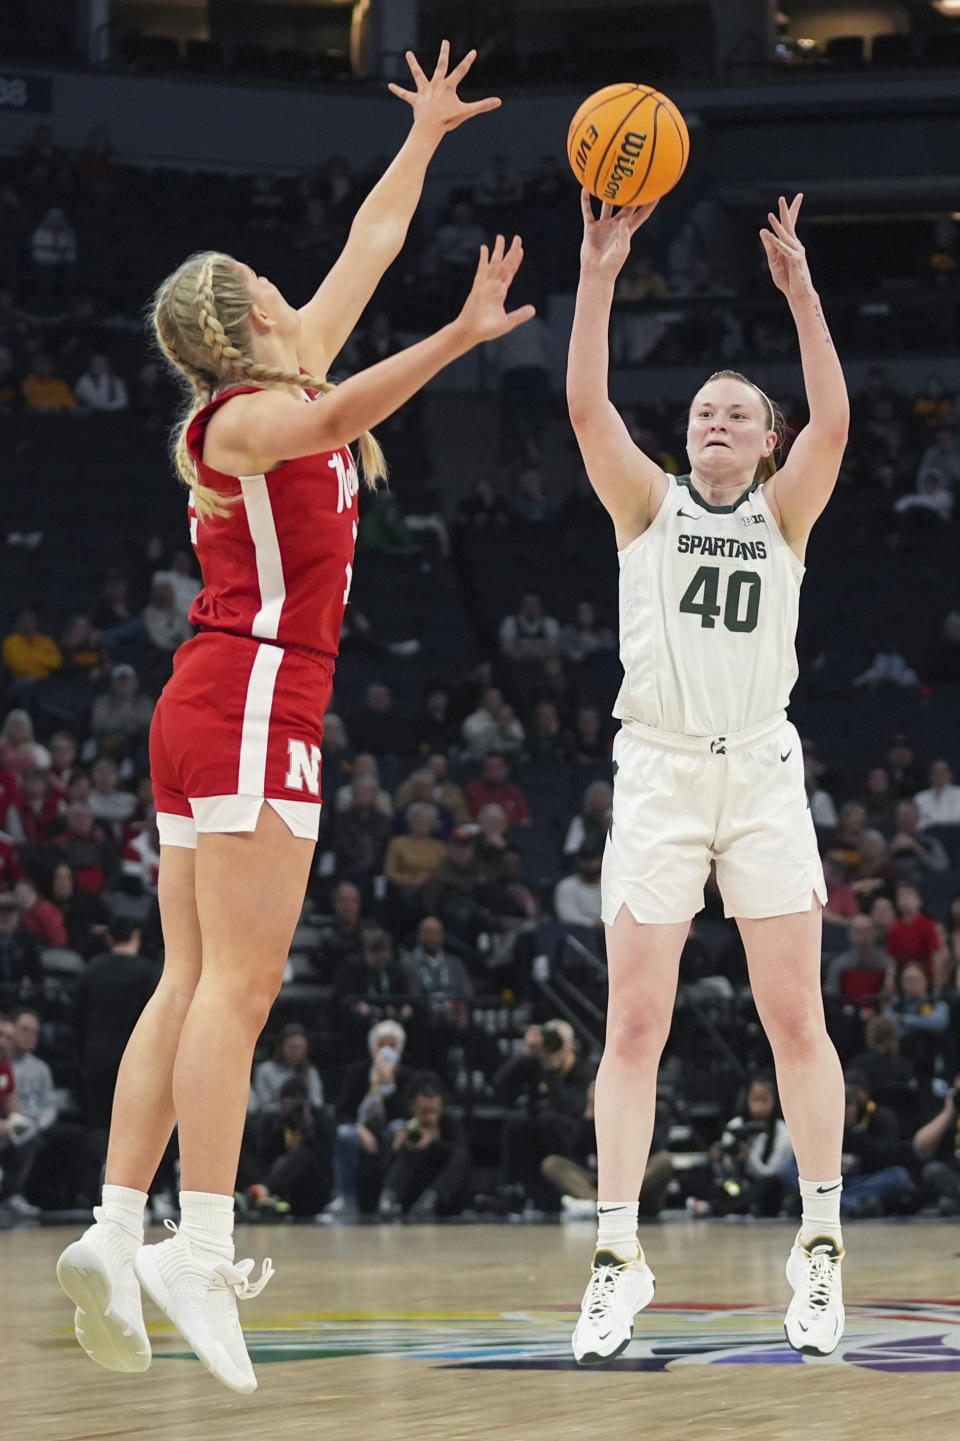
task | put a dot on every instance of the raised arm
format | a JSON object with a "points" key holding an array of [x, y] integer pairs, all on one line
{"points": [[801, 488], [255, 431], [380, 226], [624, 478]]}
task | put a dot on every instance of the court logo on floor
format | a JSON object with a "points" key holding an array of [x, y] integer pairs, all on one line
{"points": [[909, 1336]]}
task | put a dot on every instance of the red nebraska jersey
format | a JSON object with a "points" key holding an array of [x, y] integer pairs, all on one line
{"points": [[278, 567]]}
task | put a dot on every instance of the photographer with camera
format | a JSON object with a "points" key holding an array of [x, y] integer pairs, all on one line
{"points": [[295, 1148], [747, 1163], [936, 1146], [430, 1171], [547, 1083]]}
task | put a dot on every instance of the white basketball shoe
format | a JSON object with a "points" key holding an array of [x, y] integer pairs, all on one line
{"points": [[199, 1295], [815, 1316], [97, 1274], [616, 1291]]}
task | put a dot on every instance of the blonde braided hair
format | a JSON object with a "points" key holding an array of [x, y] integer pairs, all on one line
{"points": [[200, 317]]}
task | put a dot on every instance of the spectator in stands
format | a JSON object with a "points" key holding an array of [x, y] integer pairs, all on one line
{"points": [[941, 665], [444, 793], [10, 871], [110, 805], [420, 788], [359, 986], [493, 829], [547, 1085], [890, 668], [120, 720], [576, 899], [933, 404], [98, 388], [431, 971], [915, 854], [845, 841], [454, 891], [429, 1174], [379, 727], [591, 823], [63, 760], [39, 916], [83, 657], [457, 243], [943, 456], [19, 751], [370, 1106], [591, 743], [85, 915], [523, 358], [874, 1184], [936, 1146], [933, 497], [822, 808], [113, 608], [341, 937], [842, 904], [915, 937], [863, 954], [410, 858], [492, 727], [482, 508], [182, 578], [494, 787], [529, 635], [294, 1149], [585, 636], [902, 765], [165, 625], [366, 767], [337, 755], [53, 246], [11, 798], [28, 653], [85, 848], [507, 894], [879, 798], [922, 1020], [548, 741], [16, 1152], [361, 832], [43, 390], [61, 1170], [576, 1179], [874, 874], [140, 863], [497, 187], [940, 804], [291, 1061], [883, 913], [113, 989], [97, 163], [531, 503], [38, 812], [749, 1161], [435, 729], [890, 1076], [20, 973]]}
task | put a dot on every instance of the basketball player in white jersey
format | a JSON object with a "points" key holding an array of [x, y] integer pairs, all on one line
{"points": [[707, 767]]}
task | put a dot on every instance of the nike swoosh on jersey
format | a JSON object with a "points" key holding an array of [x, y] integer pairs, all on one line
{"points": [[683, 513], [788, 754]]}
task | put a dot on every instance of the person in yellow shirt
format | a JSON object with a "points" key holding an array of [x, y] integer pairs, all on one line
{"points": [[411, 858], [42, 390], [27, 653]]}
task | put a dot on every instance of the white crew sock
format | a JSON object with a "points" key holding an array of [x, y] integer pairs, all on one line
{"points": [[617, 1228], [821, 1210], [124, 1206], [206, 1219]]}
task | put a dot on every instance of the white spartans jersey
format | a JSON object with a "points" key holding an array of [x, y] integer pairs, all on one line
{"points": [[709, 599]]}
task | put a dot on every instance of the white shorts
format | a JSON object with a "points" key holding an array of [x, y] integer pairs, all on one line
{"points": [[226, 815], [680, 802]]}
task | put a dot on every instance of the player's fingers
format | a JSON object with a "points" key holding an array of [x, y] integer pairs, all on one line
{"points": [[521, 316], [443, 60], [482, 263], [636, 217], [457, 75], [480, 107], [606, 210], [513, 259], [416, 69], [401, 94], [781, 231], [496, 255], [795, 206], [586, 205]]}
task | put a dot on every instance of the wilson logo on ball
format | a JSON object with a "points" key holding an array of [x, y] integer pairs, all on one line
{"points": [[628, 144]]}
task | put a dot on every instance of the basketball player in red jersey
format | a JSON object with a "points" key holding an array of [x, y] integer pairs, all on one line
{"points": [[235, 743]]}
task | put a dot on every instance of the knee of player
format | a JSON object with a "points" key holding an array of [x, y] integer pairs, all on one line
{"points": [[794, 1029], [637, 1030]]}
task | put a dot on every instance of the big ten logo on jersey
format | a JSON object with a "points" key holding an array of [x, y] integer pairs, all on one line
{"points": [[303, 769], [347, 479]]}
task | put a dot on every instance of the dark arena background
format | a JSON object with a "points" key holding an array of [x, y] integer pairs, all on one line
{"points": [[477, 673]]}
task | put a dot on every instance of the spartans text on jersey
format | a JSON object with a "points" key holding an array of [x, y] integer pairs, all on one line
{"points": [[723, 545]]}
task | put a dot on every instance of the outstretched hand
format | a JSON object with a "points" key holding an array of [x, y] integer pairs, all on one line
{"points": [[606, 241], [484, 315], [435, 102], [786, 256]]}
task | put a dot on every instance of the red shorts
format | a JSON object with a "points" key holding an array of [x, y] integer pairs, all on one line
{"points": [[239, 722]]}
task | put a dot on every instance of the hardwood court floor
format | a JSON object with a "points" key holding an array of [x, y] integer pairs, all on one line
{"points": [[462, 1333]]}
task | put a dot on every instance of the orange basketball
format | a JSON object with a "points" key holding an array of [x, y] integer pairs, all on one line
{"points": [[628, 144]]}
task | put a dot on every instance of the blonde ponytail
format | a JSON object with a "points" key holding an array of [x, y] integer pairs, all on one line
{"points": [[200, 317]]}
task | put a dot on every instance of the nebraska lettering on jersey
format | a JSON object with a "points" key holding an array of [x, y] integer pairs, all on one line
{"points": [[304, 768], [722, 545], [278, 565]]}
